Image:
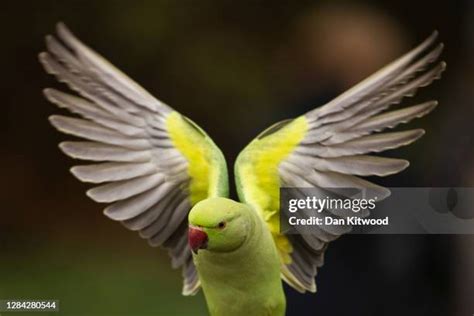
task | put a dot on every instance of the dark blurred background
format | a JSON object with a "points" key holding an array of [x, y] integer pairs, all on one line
{"points": [[234, 67]]}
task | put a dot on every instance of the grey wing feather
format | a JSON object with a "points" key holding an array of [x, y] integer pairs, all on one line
{"points": [[101, 152], [112, 171]]}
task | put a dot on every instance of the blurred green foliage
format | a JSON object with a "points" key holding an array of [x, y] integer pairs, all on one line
{"points": [[97, 282]]}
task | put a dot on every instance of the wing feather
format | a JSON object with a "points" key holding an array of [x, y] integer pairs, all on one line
{"points": [[95, 151], [95, 132], [151, 162], [112, 171], [328, 149]]}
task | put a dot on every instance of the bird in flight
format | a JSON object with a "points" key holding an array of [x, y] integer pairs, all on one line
{"points": [[163, 176]]}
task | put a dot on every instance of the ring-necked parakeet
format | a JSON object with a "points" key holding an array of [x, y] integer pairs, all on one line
{"points": [[165, 178]]}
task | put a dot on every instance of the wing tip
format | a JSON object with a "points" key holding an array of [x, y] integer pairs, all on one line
{"points": [[59, 122], [426, 107], [155, 244], [419, 132], [313, 288], [65, 147], [55, 120], [82, 173], [49, 94], [425, 44], [67, 36], [42, 57], [432, 103], [109, 213], [403, 164], [61, 28], [49, 40], [443, 65], [47, 62], [97, 197], [76, 171], [412, 136], [57, 97], [190, 289], [430, 39]]}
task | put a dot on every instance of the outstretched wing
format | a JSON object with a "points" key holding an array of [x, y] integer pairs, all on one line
{"points": [[328, 147], [152, 163]]}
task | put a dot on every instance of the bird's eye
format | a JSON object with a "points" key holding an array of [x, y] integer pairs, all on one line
{"points": [[221, 225]]}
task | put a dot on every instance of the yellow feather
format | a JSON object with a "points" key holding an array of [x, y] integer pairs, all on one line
{"points": [[260, 182], [196, 148]]}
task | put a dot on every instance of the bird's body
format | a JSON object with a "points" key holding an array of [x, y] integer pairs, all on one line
{"points": [[246, 280], [164, 177]]}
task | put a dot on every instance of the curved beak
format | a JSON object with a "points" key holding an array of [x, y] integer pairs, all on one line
{"points": [[197, 239]]}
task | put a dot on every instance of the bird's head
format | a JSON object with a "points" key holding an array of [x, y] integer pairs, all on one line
{"points": [[218, 225]]}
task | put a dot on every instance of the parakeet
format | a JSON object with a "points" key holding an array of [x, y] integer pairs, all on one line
{"points": [[165, 178]]}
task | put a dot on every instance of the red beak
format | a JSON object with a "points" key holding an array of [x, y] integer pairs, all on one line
{"points": [[197, 239]]}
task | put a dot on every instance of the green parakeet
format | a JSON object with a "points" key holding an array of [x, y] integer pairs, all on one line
{"points": [[164, 177]]}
